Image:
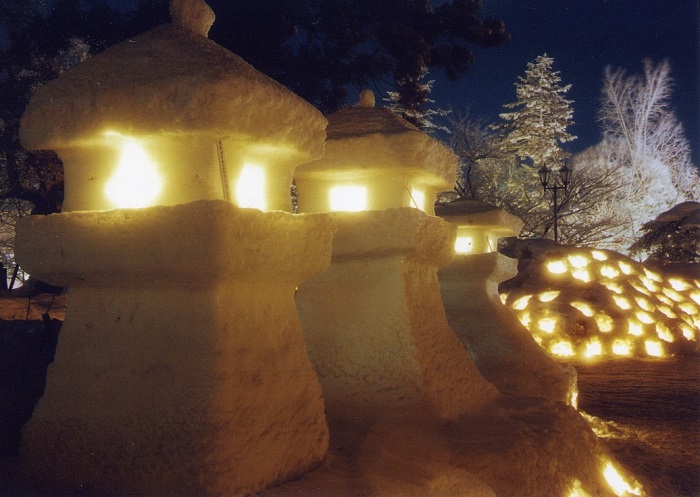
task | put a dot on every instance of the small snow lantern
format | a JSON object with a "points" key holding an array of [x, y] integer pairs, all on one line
{"points": [[374, 160], [168, 117], [502, 349]]}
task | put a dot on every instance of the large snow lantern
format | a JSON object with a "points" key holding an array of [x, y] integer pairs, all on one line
{"points": [[374, 160], [181, 367], [374, 323], [501, 348], [170, 117]]}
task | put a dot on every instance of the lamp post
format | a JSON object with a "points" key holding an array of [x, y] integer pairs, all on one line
{"points": [[559, 182]]}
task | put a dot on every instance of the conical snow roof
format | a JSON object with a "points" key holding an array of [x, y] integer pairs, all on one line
{"points": [[171, 79], [477, 213]]}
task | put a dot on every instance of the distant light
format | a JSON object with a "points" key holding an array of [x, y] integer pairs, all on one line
{"points": [[136, 182], [464, 244], [250, 188], [348, 198]]}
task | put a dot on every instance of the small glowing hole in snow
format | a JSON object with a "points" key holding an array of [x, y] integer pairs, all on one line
{"points": [[625, 267], [135, 182], [621, 347], [418, 198], [613, 287], [538, 339], [573, 398], [645, 304], [688, 331], [556, 267], [618, 483], [524, 318], [562, 348], [653, 276], [605, 323], [688, 307], [622, 302], [593, 348], [578, 261], [635, 328], [664, 299], [609, 271], [348, 198], [464, 244], [667, 311], [654, 348], [548, 296], [503, 297], [547, 324], [696, 297], [583, 307], [649, 286], [521, 303], [250, 188], [644, 317], [664, 333], [679, 285], [599, 256], [582, 274], [672, 294]]}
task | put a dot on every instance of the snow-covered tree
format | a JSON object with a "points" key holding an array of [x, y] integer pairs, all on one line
{"points": [[411, 101], [537, 127]]}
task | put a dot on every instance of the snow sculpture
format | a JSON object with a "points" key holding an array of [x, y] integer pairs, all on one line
{"points": [[181, 368], [374, 323], [500, 346]]}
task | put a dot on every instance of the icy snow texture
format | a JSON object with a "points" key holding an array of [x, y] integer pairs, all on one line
{"points": [[501, 347], [374, 323], [376, 148], [181, 368]]}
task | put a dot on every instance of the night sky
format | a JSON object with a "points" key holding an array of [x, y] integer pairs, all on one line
{"points": [[583, 37]]}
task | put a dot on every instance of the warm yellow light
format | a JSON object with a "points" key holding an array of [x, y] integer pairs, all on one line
{"points": [[547, 324], [348, 198], [649, 284], [581, 274], [524, 318], [464, 244], [667, 311], [613, 287], [593, 348], [605, 323], [688, 331], [578, 261], [538, 339], [635, 328], [688, 307], [695, 296], [644, 317], [418, 199], [577, 490], [663, 298], [599, 256], [654, 348], [645, 304], [136, 182], [583, 307], [556, 267], [622, 302], [672, 294], [609, 271], [574, 398], [618, 483], [548, 296], [250, 188], [521, 303], [562, 348], [625, 267], [503, 297], [664, 333], [679, 285], [653, 276], [621, 347]]}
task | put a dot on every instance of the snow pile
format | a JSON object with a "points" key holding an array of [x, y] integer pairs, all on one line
{"points": [[586, 303], [181, 367]]}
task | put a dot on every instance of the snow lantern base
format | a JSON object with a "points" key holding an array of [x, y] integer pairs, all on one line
{"points": [[181, 368], [502, 349], [375, 326]]}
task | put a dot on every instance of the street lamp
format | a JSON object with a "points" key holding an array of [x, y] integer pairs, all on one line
{"points": [[559, 182]]}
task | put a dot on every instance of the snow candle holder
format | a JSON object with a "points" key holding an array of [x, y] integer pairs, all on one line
{"points": [[181, 367], [505, 353], [374, 323]]}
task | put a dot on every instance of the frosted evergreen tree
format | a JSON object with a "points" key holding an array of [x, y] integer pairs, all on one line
{"points": [[411, 101], [537, 127]]}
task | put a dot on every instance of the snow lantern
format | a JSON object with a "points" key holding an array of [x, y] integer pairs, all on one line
{"points": [[374, 324], [374, 160], [501, 348], [181, 367], [169, 117]]}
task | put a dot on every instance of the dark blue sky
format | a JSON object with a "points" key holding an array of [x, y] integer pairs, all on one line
{"points": [[583, 37]]}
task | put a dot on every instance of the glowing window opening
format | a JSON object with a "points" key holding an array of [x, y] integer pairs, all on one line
{"points": [[556, 267], [348, 198], [418, 199], [250, 188], [464, 244], [135, 182]]}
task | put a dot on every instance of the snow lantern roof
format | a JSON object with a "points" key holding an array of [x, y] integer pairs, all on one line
{"points": [[171, 80], [476, 213], [365, 139], [685, 213]]}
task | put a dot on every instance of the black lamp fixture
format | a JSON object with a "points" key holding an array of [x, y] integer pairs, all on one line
{"points": [[557, 182]]}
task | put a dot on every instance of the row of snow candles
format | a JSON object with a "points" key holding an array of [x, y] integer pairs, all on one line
{"points": [[644, 297]]}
